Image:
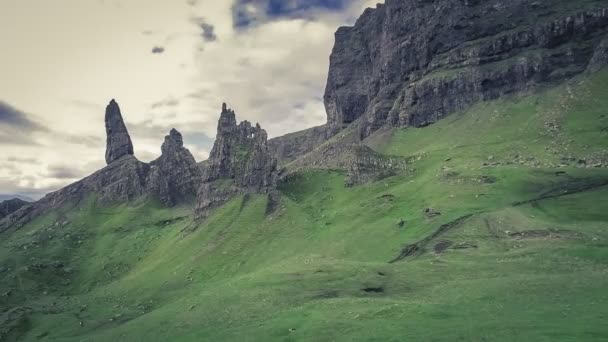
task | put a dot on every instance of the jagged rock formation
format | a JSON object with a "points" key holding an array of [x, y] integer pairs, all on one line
{"points": [[175, 176], [118, 143], [240, 162], [10, 206], [410, 63], [241, 152]]}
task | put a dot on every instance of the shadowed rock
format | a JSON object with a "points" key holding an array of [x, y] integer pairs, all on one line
{"points": [[10, 206], [118, 143], [241, 152], [410, 63], [240, 162], [175, 176]]}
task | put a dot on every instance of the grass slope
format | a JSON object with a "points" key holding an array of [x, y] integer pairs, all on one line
{"points": [[519, 252]]}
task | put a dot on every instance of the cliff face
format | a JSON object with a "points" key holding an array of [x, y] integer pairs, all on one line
{"points": [[412, 62], [240, 162]]}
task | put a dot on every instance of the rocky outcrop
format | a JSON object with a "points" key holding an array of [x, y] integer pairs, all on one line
{"points": [[240, 162], [291, 146], [361, 163], [241, 153], [118, 143], [10, 206], [175, 176], [600, 56]]}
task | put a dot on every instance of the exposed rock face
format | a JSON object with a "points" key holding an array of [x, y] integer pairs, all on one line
{"points": [[361, 163], [600, 57], [10, 206], [175, 176], [410, 63], [288, 147], [241, 152], [118, 143], [240, 162]]}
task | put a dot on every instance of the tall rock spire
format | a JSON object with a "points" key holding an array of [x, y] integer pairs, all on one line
{"points": [[118, 143]]}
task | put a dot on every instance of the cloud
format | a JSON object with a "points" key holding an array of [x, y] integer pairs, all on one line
{"points": [[16, 127], [272, 71], [84, 140], [25, 160], [64, 172], [246, 13], [168, 102], [11, 116], [207, 30]]}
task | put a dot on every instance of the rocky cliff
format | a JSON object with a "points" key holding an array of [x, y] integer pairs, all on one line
{"points": [[240, 162], [412, 62]]}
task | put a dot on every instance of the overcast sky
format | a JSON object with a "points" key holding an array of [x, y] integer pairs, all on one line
{"points": [[168, 63]]}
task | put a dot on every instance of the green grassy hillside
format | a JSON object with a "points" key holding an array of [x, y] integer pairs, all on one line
{"points": [[515, 247]]}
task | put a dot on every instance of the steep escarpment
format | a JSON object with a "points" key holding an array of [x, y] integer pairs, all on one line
{"points": [[413, 62], [240, 162], [410, 63]]}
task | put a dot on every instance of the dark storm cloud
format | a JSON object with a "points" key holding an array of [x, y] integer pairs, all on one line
{"points": [[207, 30], [247, 13], [11, 116], [16, 128]]}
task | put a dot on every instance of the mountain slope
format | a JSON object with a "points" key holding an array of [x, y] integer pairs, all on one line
{"points": [[496, 230]]}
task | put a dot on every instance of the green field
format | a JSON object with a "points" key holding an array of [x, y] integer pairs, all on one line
{"points": [[519, 251]]}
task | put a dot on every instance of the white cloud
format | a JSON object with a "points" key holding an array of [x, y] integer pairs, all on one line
{"points": [[62, 61]]}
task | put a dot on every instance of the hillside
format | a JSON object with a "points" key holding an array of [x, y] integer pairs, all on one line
{"points": [[457, 192], [518, 250]]}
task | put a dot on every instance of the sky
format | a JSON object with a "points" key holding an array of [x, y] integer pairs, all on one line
{"points": [[168, 63]]}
